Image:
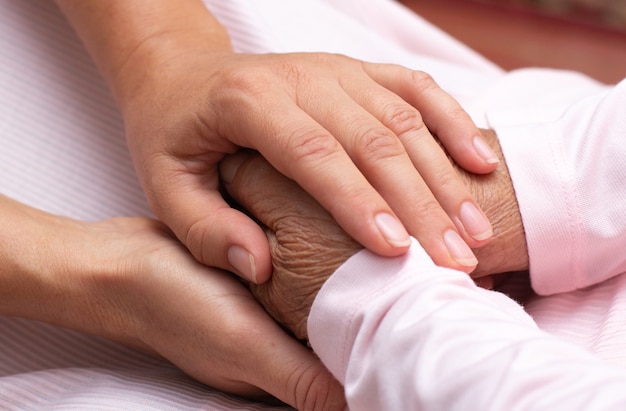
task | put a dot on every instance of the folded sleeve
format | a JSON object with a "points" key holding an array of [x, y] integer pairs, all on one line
{"points": [[564, 140], [403, 334]]}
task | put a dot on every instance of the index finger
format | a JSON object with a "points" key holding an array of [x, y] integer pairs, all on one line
{"points": [[303, 150]]}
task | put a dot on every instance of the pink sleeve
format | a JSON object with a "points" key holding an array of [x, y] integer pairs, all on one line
{"points": [[403, 334], [564, 141]]}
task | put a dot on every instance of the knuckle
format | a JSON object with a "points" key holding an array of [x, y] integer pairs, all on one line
{"points": [[311, 145], [456, 113], [196, 238], [422, 81], [402, 118], [378, 144], [427, 208], [291, 71], [315, 389], [448, 182], [243, 79]]}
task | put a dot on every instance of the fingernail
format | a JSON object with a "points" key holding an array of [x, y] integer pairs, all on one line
{"points": [[475, 222], [392, 230], [459, 250], [243, 262], [483, 150], [229, 167]]}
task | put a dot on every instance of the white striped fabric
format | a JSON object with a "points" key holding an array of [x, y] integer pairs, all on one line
{"points": [[62, 149]]}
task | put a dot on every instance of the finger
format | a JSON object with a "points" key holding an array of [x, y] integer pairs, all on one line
{"points": [[303, 150], [258, 186], [216, 234], [266, 357], [266, 193], [380, 154], [292, 373], [430, 161], [442, 114], [230, 343]]}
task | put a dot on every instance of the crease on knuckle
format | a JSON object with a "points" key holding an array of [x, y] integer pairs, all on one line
{"points": [[312, 389], [311, 145], [422, 81], [378, 144], [456, 113], [402, 119], [196, 237], [448, 182], [427, 208], [249, 81], [291, 71]]}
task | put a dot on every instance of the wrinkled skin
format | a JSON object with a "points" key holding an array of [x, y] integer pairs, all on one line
{"points": [[308, 246], [356, 135], [306, 243]]}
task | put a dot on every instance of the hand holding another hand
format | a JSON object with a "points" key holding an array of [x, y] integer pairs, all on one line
{"points": [[130, 280], [306, 243], [308, 246], [355, 135]]}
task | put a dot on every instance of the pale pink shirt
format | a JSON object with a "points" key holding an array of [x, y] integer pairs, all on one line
{"points": [[63, 150], [404, 334]]}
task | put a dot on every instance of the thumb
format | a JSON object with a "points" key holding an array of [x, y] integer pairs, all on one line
{"points": [[299, 378], [314, 388], [215, 234]]}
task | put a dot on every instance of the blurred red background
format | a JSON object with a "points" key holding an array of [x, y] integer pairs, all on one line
{"points": [[583, 35]]}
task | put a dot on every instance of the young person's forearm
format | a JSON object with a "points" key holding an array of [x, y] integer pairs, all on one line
{"points": [[30, 256], [63, 272], [126, 38]]}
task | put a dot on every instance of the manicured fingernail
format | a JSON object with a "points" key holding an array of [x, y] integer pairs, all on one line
{"points": [[459, 250], [475, 222], [483, 150], [243, 262], [392, 230]]}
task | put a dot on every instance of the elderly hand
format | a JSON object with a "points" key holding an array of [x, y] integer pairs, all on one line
{"points": [[308, 246], [356, 136], [130, 280], [306, 243], [507, 251]]}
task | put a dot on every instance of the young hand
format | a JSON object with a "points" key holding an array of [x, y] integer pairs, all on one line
{"points": [[130, 280]]}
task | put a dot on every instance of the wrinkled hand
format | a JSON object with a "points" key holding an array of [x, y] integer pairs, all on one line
{"points": [[507, 251], [308, 246], [348, 132], [130, 280], [306, 243]]}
